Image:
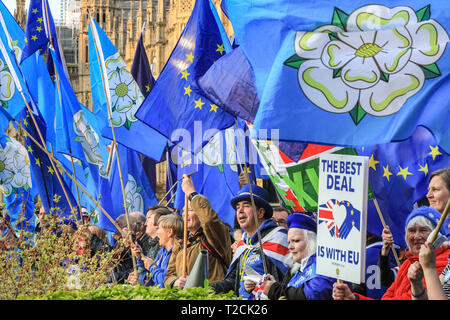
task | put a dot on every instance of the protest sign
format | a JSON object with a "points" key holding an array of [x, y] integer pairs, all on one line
{"points": [[342, 217]]}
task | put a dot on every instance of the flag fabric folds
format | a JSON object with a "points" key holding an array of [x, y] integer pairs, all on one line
{"points": [[138, 191], [355, 74], [143, 76], [399, 175], [40, 30], [53, 192], [140, 69], [183, 112], [113, 88], [16, 183], [217, 174]]}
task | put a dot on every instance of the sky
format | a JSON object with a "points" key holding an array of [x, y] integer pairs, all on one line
{"points": [[11, 5]]}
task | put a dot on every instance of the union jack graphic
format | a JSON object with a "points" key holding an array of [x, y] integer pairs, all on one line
{"points": [[326, 216], [352, 218]]}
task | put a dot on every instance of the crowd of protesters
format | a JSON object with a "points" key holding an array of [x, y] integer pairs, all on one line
{"points": [[270, 254]]}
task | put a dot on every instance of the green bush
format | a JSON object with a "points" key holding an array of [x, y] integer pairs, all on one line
{"points": [[127, 292]]}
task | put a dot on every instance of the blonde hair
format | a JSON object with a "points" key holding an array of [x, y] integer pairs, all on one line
{"points": [[172, 221]]}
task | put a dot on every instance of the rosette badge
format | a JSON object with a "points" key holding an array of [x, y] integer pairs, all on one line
{"points": [[370, 61]]}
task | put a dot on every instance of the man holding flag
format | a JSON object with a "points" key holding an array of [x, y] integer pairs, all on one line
{"points": [[250, 263]]}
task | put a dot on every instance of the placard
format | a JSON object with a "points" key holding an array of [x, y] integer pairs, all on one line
{"points": [[342, 217]]}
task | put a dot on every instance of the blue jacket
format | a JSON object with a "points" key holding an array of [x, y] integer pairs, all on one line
{"points": [[155, 275]]}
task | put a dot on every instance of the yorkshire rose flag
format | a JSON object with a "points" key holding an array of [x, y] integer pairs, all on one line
{"points": [[351, 73]]}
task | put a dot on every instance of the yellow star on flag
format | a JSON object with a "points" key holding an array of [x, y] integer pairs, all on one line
{"points": [[50, 170], [373, 163], [187, 90], [25, 122], [39, 29], [35, 10], [386, 173], [38, 162], [30, 149], [185, 74], [199, 103], [26, 40], [404, 172], [434, 152], [147, 88], [34, 38], [220, 49], [214, 108], [40, 19], [424, 169], [189, 57]]}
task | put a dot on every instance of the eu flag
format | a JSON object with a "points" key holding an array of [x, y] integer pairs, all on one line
{"points": [[351, 74], [176, 106], [39, 30], [116, 96], [398, 175], [44, 176]]}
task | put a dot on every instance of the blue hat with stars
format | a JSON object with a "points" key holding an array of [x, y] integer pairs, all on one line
{"points": [[427, 212], [302, 220]]}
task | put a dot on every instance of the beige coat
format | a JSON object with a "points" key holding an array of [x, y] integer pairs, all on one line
{"points": [[216, 234]]}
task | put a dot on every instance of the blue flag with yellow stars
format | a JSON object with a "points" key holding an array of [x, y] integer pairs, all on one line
{"points": [[176, 106], [40, 28], [399, 174], [54, 194], [352, 73]]}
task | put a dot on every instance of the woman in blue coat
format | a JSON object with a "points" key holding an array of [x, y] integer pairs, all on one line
{"points": [[152, 272], [301, 282]]}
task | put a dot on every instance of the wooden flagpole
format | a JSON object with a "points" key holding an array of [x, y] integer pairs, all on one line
{"points": [[114, 138], [384, 226], [252, 200], [73, 179], [441, 221]]}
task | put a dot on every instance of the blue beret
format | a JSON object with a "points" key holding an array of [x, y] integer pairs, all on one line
{"points": [[427, 212], [302, 221]]}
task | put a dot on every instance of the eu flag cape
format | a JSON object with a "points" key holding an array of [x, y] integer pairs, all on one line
{"points": [[350, 73]]}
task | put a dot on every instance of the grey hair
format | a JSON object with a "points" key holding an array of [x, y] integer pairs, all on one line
{"points": [[420, 221]]}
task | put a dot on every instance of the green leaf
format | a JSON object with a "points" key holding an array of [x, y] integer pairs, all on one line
{"points": [[294, 61], [339, 18], [424, 14], [431, 71], [357, 114]]}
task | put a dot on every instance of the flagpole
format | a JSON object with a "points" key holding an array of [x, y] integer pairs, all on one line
{"points": [[113, 134], [73, 179], [441, 222], [19, 87], [384, 226], [252, 199], [70, 147], [184, 271], [171, 188]]}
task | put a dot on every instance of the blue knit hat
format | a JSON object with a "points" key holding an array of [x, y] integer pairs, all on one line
{"points": [[427, 212], [260, 196], [302, 220]]}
